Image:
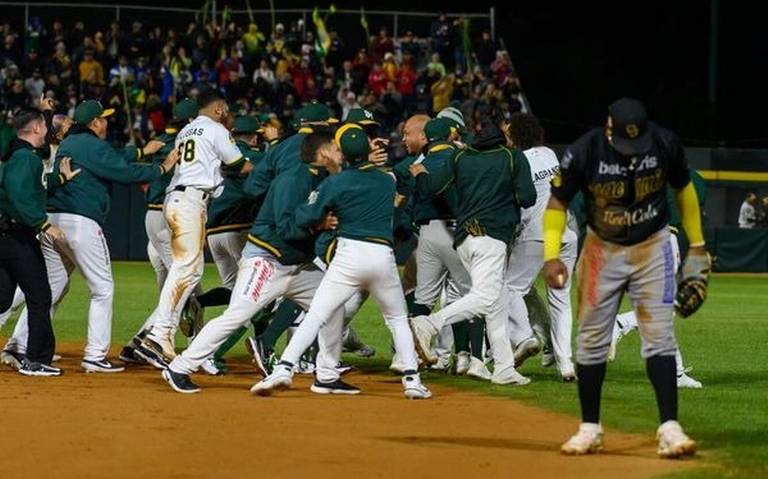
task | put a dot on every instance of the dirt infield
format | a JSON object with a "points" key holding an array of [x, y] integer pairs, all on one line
{"points": [[132, 425]]}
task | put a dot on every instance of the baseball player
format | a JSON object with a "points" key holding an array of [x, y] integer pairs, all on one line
{"points": [[276, 262], [492, 182], [622, 171], [362, 197], [527, 256], [204, 147], [627, 322], [79, 208]]}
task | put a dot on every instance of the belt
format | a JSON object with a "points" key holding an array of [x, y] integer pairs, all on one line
{"points": [[448, 223], [203, 194]]}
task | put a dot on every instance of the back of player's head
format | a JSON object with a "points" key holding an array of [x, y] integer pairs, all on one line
{"points": [[313, 142], [525, 131], [25, 118], [208, 97]]}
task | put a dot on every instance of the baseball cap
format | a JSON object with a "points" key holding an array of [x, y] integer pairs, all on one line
{"points": [[185, 109], [361, 116], [314, 112], [246, 124], [90, 109], [438, 129], [454, 115], [629, 133], [353, 142]]}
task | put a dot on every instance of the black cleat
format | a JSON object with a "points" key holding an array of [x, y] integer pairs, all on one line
{"points": [[181, 383], [29, 368], [335, 387]]}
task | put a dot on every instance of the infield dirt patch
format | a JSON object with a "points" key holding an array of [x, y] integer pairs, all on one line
{"points": [[132, 425]]}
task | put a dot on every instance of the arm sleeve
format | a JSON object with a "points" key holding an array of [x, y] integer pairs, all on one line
{"points": [[318, 204], [554, 226], [438, 177], [21, 174], [690, 214], [570, 177], [525, 191], [110, 164]]}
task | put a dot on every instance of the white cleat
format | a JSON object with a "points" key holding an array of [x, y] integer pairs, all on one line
{"points": [[422, 338], [478, 370], [443, 363], [685, 381], [511, 377], [589, 440], [414, 389], [280, 379], [618, 333], [463, 361], [103, 366], [526, 349], [673, 442], [567, 371], [210, 368]]}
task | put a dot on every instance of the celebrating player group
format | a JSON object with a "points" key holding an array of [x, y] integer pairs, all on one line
{"points": [[303, 227]]}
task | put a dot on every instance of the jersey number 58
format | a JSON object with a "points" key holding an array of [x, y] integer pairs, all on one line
{"points": [[187, 151]]}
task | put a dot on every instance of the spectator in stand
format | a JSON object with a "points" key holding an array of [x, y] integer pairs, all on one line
{"points": [[11, 53], [18, 96], [406, 85], [347, 100], [440, 36], [501, 67], [748, 211], [61, 64], [381, 45], [35, 85], [362, 64], [122, 71], [390, 66], [409, 46], [377, 80], [436, 65], [442, 92], [485, 51], [91, 72]]}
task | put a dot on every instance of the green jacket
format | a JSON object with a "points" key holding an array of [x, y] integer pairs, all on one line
{"points": [[275, 228], [363, 198], [88, 194], [277, 160], [430, 206], [24, 186], [155, 195], [491, 186], [233, 210]]}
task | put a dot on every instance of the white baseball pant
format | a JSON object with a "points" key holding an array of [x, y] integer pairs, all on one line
{"points": [[161, 272], [159, 236], [436, 258], [357, 265], [226, 249]]}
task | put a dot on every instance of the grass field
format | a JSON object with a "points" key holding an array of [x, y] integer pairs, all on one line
{"points": [[725, 344]]}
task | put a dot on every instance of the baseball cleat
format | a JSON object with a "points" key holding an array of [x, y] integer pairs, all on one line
{"points": [[526, 349], [103, 366], [343, 368], [365, 351], [29, 368], [511, 377], [334, 387], [414, 389], [478, 370], [191, 321], [353, 344], [56, 358], [259, 356], [157, 354], [567, 371], [589, 440], [673, 442], [211, 368], [462, 363], [616, 336], [280, 379], [395, 366], [422, 338], [443, 363], [12, 359], [181, 383], [685, 381], [547, 357], [128, 355]]}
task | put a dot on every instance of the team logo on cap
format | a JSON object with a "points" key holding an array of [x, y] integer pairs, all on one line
{"points": [[633, 131]]}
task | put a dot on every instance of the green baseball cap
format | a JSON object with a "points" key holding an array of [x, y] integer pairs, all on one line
{"points": [[314, 112], [353, 142], [361, 116], [454, 115], [246, 124], [185, 109], [89, 110], [438, 129]]}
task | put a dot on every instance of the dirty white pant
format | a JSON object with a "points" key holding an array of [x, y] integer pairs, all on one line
{"points": [[185, 212], [485, 259], [357, 265], [159, 236], [84, 248], [226, 249]]}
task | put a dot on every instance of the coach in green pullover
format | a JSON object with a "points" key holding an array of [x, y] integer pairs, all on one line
{"points": [[492, 183]]}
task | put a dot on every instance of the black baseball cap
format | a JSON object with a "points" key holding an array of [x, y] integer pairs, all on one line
{"points": [[630, 134]]}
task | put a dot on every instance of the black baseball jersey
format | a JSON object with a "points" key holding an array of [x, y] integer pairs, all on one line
{"points": [[625, 196]]}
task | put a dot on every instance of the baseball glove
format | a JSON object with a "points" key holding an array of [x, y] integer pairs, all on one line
{"points": [[692, 290]]}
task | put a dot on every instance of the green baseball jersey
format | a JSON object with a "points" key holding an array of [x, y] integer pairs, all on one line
{"points": [[155, 194], [88, 194], [440, 206], [491, 187], [233, 210], [363, 198], [275, 228], [24, 185], [277, 160]]}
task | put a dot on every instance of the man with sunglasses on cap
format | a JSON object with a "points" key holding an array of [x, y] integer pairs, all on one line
{"points": [[622, 171]]}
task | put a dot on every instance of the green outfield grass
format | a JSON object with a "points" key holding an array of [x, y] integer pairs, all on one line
{"points": [[725, 344]]}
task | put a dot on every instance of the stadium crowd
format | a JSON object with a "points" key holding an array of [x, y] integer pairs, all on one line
{"points": [[144, 70]]}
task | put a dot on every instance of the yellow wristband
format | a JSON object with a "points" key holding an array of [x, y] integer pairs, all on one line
{"points": [[554, 225]]}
